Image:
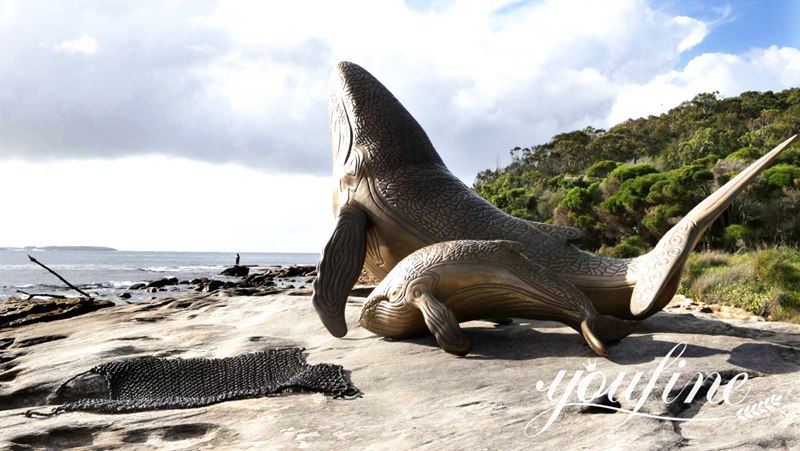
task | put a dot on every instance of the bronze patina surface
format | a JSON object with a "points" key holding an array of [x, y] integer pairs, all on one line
{"points": [[443, 284], [393, 195]]}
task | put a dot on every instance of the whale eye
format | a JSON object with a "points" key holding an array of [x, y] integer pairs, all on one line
{"points": [[417, 293]]}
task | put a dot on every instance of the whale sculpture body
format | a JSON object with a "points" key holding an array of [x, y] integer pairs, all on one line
{"points": [[443, 284], [393, 195]]}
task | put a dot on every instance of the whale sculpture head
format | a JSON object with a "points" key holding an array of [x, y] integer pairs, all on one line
{"points": [[367, 122]]}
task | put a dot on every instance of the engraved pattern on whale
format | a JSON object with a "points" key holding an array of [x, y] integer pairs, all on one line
{"points": [[444, 284]]}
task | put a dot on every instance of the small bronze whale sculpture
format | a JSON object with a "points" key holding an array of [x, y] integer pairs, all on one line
{"points": [[444, 284], [394, 195]]}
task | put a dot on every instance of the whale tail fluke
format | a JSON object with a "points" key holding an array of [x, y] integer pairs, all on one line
{"points": [[600, 330], [657, 278]]}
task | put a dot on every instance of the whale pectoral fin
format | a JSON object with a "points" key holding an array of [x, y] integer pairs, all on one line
{"points": [[656, 281], [611, 329], [443, 324], [600, 330], [558, 232], [339, 267]]}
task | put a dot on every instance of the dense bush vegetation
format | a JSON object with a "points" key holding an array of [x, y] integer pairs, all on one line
{"points": [[765, 282], [628, 185]]}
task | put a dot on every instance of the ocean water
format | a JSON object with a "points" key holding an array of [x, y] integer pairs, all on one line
{"points": [[106, 274]]}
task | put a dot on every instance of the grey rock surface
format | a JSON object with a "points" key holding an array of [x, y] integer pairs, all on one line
{"points": [[415, 395], [18, 312]]}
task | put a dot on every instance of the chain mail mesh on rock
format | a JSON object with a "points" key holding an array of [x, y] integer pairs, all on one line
{"points": [[152, 383]]}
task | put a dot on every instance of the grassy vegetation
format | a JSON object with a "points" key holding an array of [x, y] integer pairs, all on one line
{"points": [[766, 281]]}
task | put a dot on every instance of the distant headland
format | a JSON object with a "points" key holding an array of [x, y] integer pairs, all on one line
{"points": [[58, 248]]}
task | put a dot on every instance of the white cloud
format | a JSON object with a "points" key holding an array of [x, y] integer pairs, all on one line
{"points": [[161, 203], [482, 77], [84, 44], [246, 82], [758, 70], [698, 32]]}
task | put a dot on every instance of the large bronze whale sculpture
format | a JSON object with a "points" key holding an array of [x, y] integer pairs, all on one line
{"points": [[393, 195], [444, 284]]}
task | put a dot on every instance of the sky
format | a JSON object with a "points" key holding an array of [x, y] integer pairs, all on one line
{"points": [[202, 125]]}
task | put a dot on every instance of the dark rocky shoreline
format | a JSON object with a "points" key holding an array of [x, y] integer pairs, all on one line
{"points": [[292, 280], [249, 284]]}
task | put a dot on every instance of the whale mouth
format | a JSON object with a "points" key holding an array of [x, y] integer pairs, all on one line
{"points": [[339, 123], [349, 91], [368, 310], [374, 301]]}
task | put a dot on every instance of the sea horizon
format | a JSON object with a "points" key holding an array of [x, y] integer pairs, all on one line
{"points": [[108, 274]]}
